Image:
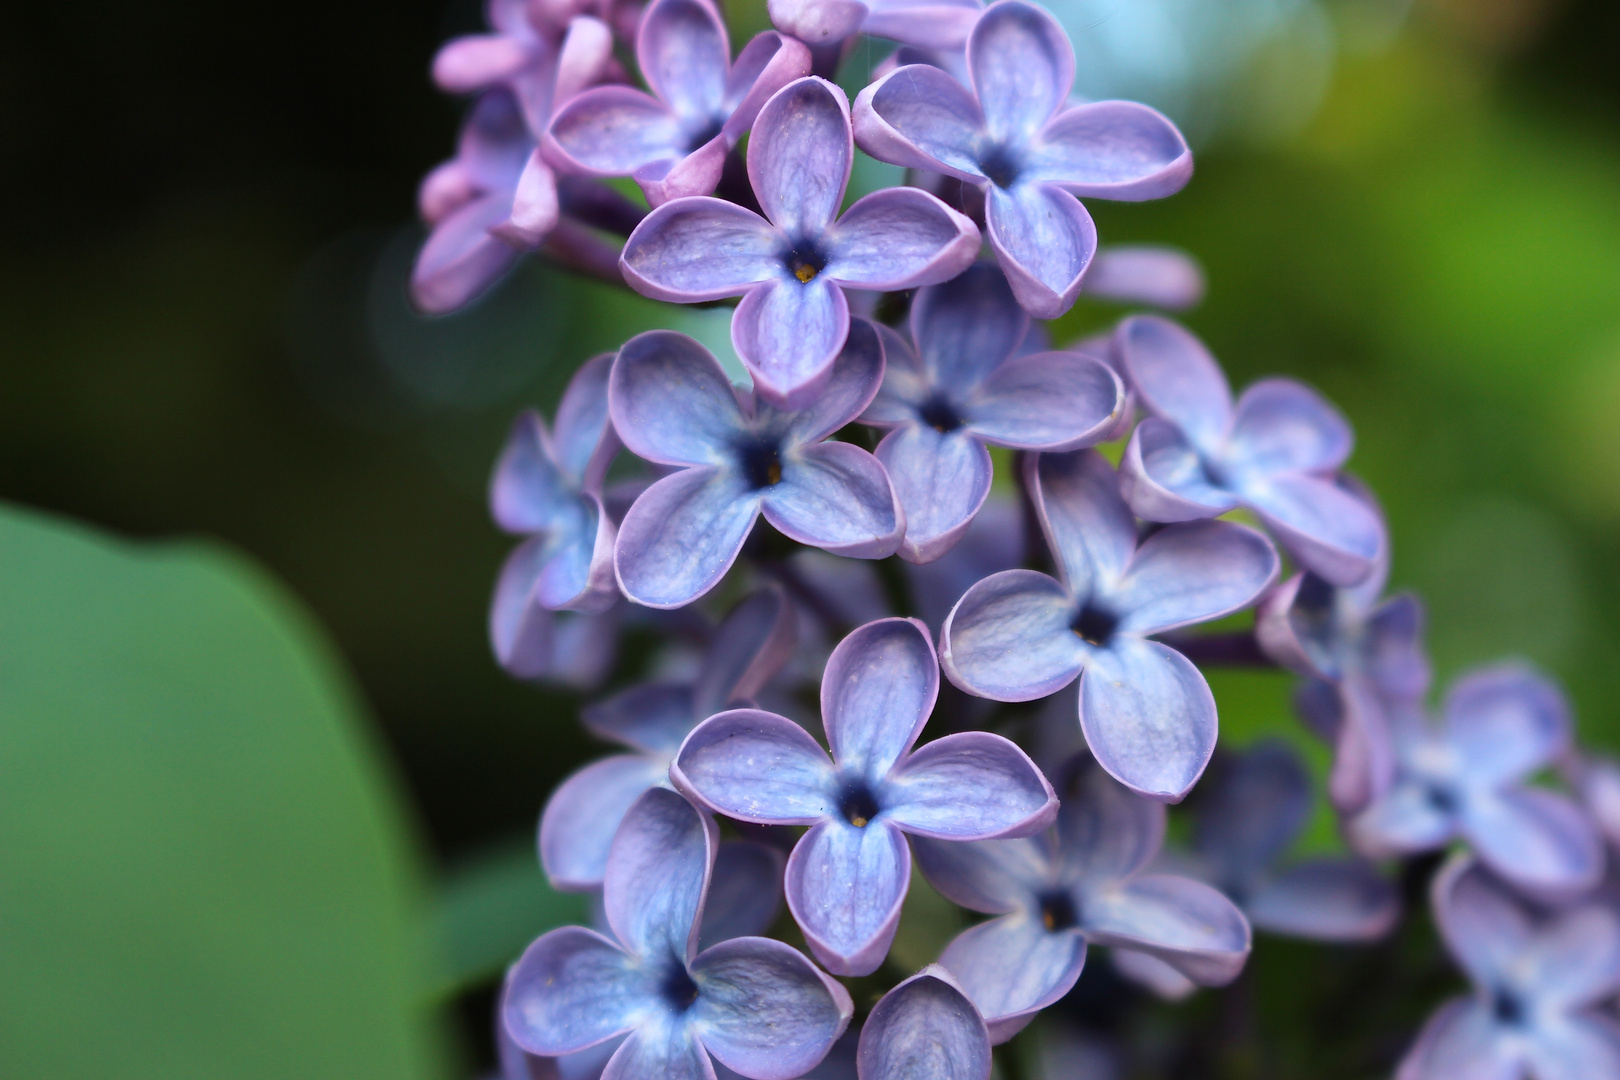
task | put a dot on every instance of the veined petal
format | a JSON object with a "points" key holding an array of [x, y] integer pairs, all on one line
{"points": [[1148, 716], [1112, 150], [844, 887], [745, 892], [1537, 839], [657, 875], [1328, 530], [582, 59], [683, 53], [1008, 638], [941, 480], [697, 173], [1192, 573], [671, 402], [1175, 377], [837, 497], [1326, 900], [615, 130], [799, 156], [856, 376], [766, 64], [925, 1027], [1487, 931], [1022, 67], [1105, 831], [788, 335], [682, 535], [1575, 1047], [572, 989], [756, 766], [992, 876], [1088, 527], [877, 691], [1046, 401], [1506, 721], [920, 117], [749, 647], [764, 1010], [1044, 240], [1284, 426], [1013, 967], [584, 442], [700, 248], [584, 812], [1163, 478], [1575, 959], [899, 238], [1459, 1043], [654, 717], [967, 327], [461, 260], [1010, 797], [1190, 926], [663, 1046]]}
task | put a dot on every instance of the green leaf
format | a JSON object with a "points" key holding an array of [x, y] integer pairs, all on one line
{"points": [[204, 869]]}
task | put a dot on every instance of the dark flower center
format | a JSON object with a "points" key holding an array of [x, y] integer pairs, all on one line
{"points": [[1441, 798], [1094, 625], [858, 805], [1058, 911], [940, 414], [678, 989], [702, 135], [1213, 474], [999, 167], [805, 261], [1507, 1007], [761, 462]]}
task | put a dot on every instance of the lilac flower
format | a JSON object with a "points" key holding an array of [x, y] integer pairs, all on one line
{"points": [[674, 141], [739, 457], [1149, 274], [1275, 452], [569, 648], [964, 387], [1537, 985], [1080, 883], [925, 1027], [548, 487], [1597, 779], [757, 1005], [1466, 776], [994, 541], [583, 813], [543, 56], [1019, 635], [848, 875], [925, 24], [791, 270], [1013, 136]]}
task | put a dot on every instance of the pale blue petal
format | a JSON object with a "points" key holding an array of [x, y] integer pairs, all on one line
{"points": [[1459, 1043], [682, 535], [1327, 529], [1148, 716], [572, 989], [837, 497], [877, 691], [1013, 967], [899, 238], [616, 130], [1163, 477], [1326, 900], [1022, 68], [1087, 524], [920, 117], [1175, 377], [757, 766], [654, 717], [584, 812], [1192, 573], [671, 402], [700, 248], [799, 156], [992, 876], [1537, 839], [745, 892], [683, 53], [924, 1029], [1575, 957], [1284, 426], [845, 886], [1506, 721], [1010, 797], [657, 874], [664, 1047], [788, 334], [764, 1010], [1046, 401], [1044, 240], [1577, 1047], [1008, 638], [1105, 831], [966, 328], [941, 478], [747, 650], [1185, 923], [1252, 808], [1112, 150]]}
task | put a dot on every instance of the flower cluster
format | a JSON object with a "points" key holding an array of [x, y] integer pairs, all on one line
{"points": [[896, 358]]}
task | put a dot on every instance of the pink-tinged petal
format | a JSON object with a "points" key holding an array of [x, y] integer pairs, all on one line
{"points": [[1088, 527], [1575, 958], [766, 64], [654, 717], [1326, 900], [924, 24], [1044, 240], [925, 1027], [657, 875], [1148, 717], [670, 401], [1106, 832], [1049, 401], [992, 876], [788, 334], [1175, 377], [1013, 967], [1329, 531], [583, 813], [1506, 721], [1010, 796], [836, 497], [697, 173], [941, 480], [1405, 821], [877, 691], [747, 650], [799, 156], [1022, 67], [1162, 476], [1280, 425], [1537, 839], [1008, 638], [534, 206], [1192, 573], [682, 535], [1252, 808], [853, 381], [920, 117], [899, 238], [584, 443], [764, 1010], [700, 248], [466, 64], [582, 59], [966, 328], [663, 1046], [1162, 277], [446, 189], [1459, 1043], [495, 141], [1577, 1047], [615, 130], [1486, 930], [756, 766], [745, 892], [573, 989], [1112, 150], [683, 53], [1151, 972], [817, 22], [844, 887], [1190, 926], [461, 260], [528, 492]]}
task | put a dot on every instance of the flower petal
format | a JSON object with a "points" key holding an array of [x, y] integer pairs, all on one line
{"points": [[461, 260], [671, 402], [534, 206], [1163, 478], [584, 812], [1112, 150], [766, 64], [855, 378], [475, 61], [1403, 822], [1046, 401], [663, 1046], [1008, 638], [1281, 425], [992, 876], [844, 887], [1328, 530], [654, 717], [1106, 832], [584, 441], [1148, 716], [682, 535], [521, 631], [906, 385], [941, 481], [1485, 929], [1013, 967], [528, 491], [925, 1027], [899, 238], [1506, 721], [967, 327], [1252, 809], [835, 496], [615, 130], [1162, 277], [1010, 797], [756, 766], [920, 117], [817, 22], [658, 874], [1459, 1043], [1576, 957], [923, 24], [799, 156], [764, 1010], [1190, 926], [877, 691], [747, 649], [1575, 1048], [1326, 900], [700, 248], [1393, 648], [683, 53], [788, 336], [1192, 573], [1175, 377], [1149, 971], [745, 892], [572, 989], [1088, 527], [1022, 68], [1044, 240], [1537, 839]]}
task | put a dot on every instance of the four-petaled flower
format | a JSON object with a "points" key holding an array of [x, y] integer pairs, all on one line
{"points": [[966, 385], [1014, 137], [792, 265], [924, 1028], [1019, 635], [674, 141], [848, 875], [757, 1005], [738, 457]]}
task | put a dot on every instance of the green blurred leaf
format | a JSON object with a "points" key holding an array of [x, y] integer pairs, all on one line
{"points": [[203, 867]]}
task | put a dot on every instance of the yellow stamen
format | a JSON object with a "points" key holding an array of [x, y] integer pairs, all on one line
{"points": [[804, 272]]}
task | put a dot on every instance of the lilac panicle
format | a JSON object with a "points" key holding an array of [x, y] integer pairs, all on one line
{"points": [[1465, 778], [848, 875], [1081, 883], [583, 813], [1275, 451], [1538, 986], [1012, 134], [792, 265], [964, 386], [925, 24], [925, 1027], [757, 1005], [737, 457], [1147, 712], [674, 141]]}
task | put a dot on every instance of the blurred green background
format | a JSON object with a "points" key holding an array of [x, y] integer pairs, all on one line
{"points": [[1417, 208]]}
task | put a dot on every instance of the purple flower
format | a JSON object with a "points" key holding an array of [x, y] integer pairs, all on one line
{"points": [[1013, 136], [583, 813], [964, 387], [924, 1028], [792, 269], [1465, 778], [848, 875], [548, 487], [738, 457], [1275, 452], [1020, 635], [1082, 882], [1597, 779], [757, 1005], [542, 56], [674, 141], [994, 541], [568, 648], [1149, 274], [1537, 985], [925, 24]]}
